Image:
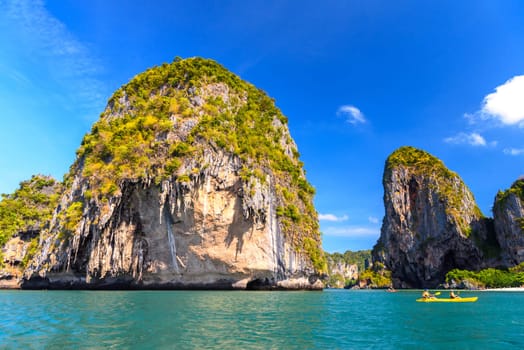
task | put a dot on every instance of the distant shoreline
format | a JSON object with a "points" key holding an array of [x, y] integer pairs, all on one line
{"points": [[509, 289]]}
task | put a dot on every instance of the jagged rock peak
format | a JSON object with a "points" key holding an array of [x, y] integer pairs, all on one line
{"points": [[431, 224], [189, 179]]}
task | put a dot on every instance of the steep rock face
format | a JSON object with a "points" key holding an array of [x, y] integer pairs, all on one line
{"points": [[432, 223], [190, 179], [23, 216], [508, 215]]}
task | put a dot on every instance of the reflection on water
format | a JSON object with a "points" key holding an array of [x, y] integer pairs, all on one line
{"points": [[278, 320]]}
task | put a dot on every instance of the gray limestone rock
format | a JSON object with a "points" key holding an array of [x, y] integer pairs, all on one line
{"points": [[508, 215], [432, 223]]}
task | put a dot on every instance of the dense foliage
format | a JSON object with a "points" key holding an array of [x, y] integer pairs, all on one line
{"points": [[424, 164], [377, 276], [488, 278], [30, 207], [130, 140], [411, 156], [163, 120]]}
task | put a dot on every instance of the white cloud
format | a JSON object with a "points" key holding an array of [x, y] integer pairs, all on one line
{"points": [[351, 231], [332, 217], [507, 102], [352, 113], [373, 219], [473, 139], [514, 151]]}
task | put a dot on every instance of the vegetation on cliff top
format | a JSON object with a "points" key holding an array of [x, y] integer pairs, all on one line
{"points": [[165, 117], [516, 188], [424, 164], [29, 208], [411, 156]]}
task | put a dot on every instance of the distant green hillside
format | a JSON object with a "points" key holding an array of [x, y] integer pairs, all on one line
{"points": [[351, 258]]}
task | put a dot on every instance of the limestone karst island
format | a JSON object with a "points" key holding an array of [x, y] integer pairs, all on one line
{"points": [[190, 179]]}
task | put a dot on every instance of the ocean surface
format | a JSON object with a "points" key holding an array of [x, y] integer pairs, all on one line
{"points": [[333, 319]]}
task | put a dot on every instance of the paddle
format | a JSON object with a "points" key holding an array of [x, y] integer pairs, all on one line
{"points": [[437, 293]]}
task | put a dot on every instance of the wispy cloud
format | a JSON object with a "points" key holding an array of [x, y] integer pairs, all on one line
{"points": [[353, 114], [14, 75], [472, 139], [351, 231], [514, 151], [332, 217], [373, 219], [507, 102], [52, 49]]}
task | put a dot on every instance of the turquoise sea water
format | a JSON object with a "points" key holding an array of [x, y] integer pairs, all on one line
{"points": [[333, 319]]}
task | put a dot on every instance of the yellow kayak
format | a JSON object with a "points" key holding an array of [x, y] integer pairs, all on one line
{"points": [[448, 300]]}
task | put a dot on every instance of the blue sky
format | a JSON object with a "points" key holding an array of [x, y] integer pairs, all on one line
{"points": [[357, 79]]}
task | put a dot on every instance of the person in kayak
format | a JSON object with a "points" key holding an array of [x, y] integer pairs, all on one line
{"points": [[427, 295], [453, 295]]}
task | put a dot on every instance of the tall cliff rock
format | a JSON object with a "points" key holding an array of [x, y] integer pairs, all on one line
{"points": [[190, 179], [432, 223], [508, 215], [23, 216]]}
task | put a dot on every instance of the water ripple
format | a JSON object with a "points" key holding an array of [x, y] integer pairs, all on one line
{"points": [[255, 320]]}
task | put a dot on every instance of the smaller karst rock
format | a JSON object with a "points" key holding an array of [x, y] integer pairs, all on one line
{"points": [[432, 223]]}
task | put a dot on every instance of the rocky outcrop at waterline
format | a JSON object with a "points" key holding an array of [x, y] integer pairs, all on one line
{"points": [[24, 214], [190, 179], [432, 223]]}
